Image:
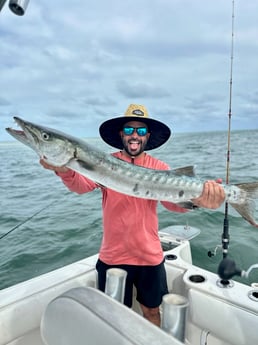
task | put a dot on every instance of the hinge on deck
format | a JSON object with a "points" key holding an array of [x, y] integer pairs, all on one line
{"points": [[204, 337]]}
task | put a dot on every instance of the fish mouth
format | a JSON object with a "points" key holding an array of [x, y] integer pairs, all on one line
{"points": [[16, 131], [39, 139], [24, 134], [27, 134], [20, 123], [19, 134]]}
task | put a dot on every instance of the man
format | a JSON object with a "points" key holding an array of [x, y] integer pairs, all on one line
{"points": [[130, 225]]}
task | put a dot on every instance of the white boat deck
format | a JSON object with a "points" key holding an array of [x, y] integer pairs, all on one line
{"points": [[216, 315]]}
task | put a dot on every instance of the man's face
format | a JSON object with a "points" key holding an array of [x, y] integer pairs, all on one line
{"points": [[134, 143]]}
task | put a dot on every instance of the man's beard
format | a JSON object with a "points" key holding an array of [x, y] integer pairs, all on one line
{"points": [[134, 153]]}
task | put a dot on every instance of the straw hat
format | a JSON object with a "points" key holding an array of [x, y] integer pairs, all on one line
{"points": [[159, 132]]}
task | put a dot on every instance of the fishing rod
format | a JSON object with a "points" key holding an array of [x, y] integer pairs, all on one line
{"points": [[26, 220], [227, 267], [225, 234]]}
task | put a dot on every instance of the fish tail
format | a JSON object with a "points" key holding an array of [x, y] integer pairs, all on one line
{"points": [[247, 208]]}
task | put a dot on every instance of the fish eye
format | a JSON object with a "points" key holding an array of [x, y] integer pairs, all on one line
{"points": [[45, 136]]}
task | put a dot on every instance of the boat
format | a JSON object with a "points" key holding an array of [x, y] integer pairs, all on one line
{"points": [[65, 307]]}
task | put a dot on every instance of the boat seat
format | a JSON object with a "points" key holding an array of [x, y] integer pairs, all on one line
{"points": [[84, 316]]}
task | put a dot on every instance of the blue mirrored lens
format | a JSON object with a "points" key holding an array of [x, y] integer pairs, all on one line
{"points": [[128, 130], [141, 131]]}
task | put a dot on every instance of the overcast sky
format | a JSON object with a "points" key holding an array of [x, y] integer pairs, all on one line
{"points": [[73, 64]]}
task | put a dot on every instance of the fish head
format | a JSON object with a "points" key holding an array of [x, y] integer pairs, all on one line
{"points": [[51, 145]]}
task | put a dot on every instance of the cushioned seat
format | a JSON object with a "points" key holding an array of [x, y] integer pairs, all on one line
{"points": [[84, 316]]}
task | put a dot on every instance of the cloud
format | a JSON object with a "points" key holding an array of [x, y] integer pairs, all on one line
{"points": [[141, 90], [75, 64]]}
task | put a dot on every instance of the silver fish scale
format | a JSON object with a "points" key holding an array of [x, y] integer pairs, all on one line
{"points": [[63, 150], [234, 194]]}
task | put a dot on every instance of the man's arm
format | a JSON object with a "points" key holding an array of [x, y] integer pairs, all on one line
{"points": [[74, 181], [212, 197]]}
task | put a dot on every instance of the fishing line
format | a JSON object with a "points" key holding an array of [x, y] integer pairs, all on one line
{"points": [[26, 220], [225, 234]]}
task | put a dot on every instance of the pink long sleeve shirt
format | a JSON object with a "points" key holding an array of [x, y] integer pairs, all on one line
{"points": [[130, 224]]}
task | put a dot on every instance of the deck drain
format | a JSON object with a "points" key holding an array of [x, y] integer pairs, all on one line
{"points": [[225, 284], [197, 278], [253, 295], [170, 257]]}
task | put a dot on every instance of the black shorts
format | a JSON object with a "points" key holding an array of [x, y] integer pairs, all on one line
{"points": [[150, 282]]}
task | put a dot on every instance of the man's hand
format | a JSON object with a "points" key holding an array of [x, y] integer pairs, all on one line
{"points": [[212, 195], [52, 167]]}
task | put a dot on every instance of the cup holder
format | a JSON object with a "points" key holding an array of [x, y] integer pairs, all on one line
{"points": [[253, 295], [170, 257], [197, 278]]}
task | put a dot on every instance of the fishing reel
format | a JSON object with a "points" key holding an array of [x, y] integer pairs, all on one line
{"points": [[227, 268], [18, 7], [214, 252]]}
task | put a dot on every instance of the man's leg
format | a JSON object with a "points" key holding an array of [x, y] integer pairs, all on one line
{"points": [[151, 286], [151, 314]]}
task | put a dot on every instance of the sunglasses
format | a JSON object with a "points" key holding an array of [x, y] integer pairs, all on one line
{"points": [[141, 131]]}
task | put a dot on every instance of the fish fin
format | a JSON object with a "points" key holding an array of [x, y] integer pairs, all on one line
{"points": [[187, 171], [247, 208], [189, 205], [101, 185]]}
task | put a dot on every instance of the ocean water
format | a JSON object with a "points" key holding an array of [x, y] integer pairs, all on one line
{"points": [[43, 226]]}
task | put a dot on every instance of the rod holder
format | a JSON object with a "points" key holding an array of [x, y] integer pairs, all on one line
{"points": [[115, 283], [173, 319], [18, 7]]}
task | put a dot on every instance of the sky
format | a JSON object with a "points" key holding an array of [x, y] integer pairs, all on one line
{"points": [[70, 65]]}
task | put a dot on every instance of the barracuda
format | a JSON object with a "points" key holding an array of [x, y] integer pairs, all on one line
{"points": [[60, 149]]}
